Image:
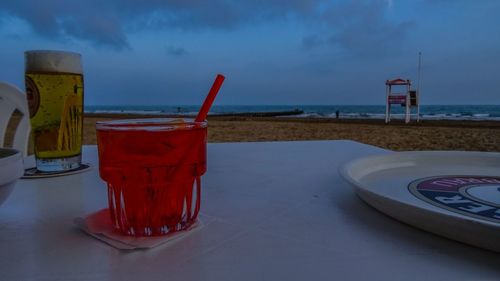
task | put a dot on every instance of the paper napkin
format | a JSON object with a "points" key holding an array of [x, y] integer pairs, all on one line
{"points": [[98, 225]]}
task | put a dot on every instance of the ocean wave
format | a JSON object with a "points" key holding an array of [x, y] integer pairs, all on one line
{"points": [[479, 113], [142, 112], [117, 111], [380, 116]]}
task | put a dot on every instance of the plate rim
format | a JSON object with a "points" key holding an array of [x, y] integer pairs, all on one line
{"points": [[407, 215]]}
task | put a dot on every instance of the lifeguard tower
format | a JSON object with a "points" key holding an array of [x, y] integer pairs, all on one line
{"points": [[408, 99]]}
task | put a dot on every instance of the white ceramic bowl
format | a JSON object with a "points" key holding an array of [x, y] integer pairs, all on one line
{"points": [[11, 168]]}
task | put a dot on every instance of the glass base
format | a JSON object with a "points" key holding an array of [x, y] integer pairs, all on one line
{"points": [[59, 164]]}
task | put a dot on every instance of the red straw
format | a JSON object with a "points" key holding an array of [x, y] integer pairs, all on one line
{"points": [[202, 115]]}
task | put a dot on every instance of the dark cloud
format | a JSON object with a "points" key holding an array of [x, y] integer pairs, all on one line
{"points": [[351, 24], [106, 22], [311, 41], [176, 51], [78, 19], [361, 27], [101, 30]]}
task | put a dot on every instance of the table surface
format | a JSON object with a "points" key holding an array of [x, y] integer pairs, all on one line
{"points": [[272, 211]]}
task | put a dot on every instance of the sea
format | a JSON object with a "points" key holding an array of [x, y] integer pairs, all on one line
{"points": [[427, 112]]}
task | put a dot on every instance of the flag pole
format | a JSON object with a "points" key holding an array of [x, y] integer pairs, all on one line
{"points": [[418, 84], [419, 71]]}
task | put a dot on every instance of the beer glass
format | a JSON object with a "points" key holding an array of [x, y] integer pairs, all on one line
{"points": [[54, 89]]}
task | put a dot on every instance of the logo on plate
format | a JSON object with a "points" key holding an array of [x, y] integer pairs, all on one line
{"points": [[473, 196]]}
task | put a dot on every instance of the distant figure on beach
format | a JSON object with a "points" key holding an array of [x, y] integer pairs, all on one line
{"points": [[178, 109], [337, 114]]}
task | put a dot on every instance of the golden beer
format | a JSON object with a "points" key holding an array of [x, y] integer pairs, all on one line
{"points": [[54, 89]]}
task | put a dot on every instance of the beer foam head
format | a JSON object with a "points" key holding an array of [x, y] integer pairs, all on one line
{"points": [[53, 61]]}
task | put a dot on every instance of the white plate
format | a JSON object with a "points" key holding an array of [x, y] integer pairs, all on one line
{"points": [[453, 194]]}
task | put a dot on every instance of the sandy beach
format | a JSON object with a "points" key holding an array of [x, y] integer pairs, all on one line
{"points": [[425, 135]]}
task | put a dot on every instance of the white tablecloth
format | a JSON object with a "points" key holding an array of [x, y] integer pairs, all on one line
{"points": [[273, 211]]}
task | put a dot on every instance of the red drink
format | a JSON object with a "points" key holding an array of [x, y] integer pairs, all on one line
{"points": [[153, 169]]}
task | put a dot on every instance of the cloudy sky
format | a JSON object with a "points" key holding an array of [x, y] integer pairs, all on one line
{"points": [[271, 51]]}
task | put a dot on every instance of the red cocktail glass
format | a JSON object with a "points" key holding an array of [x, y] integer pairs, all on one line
{"points": [[152, 168]]}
